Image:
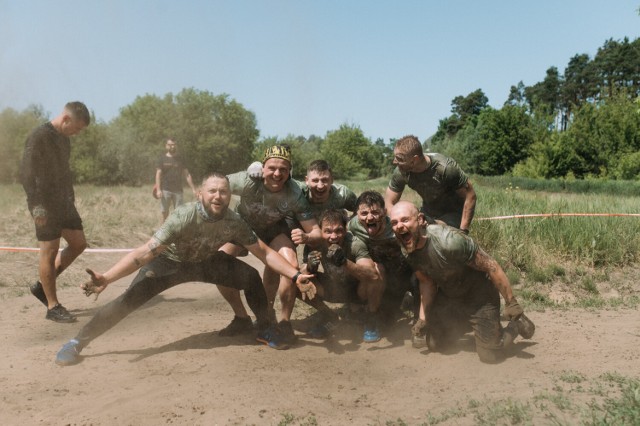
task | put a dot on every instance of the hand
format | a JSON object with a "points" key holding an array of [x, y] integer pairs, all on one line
{"points": [[298, 236], [512, 310], [336, 255], [313, 261], [418, 328], [255, 170], [306, 287], [95, 285]]}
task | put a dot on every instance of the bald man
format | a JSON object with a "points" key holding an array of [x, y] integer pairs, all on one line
{"points": [[460, 287]]}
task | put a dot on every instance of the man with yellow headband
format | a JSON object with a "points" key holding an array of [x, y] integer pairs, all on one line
{"points": [[265, 202]]}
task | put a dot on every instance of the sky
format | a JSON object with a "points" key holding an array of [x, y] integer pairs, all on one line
{"points": [[303, 67]]}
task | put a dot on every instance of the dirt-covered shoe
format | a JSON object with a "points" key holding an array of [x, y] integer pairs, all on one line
{"points": [[237, 326], [271, 337], [321, 329], [526, 327], [371, 333], [419, 341], [60, 314], [69, 354], [286, 332], [37, 290]]}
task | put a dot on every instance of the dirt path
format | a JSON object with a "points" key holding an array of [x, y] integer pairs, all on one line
{"points": [[165, 364]]}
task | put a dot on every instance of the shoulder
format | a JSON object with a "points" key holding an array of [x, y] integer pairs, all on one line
{"points": [[451, 242]]}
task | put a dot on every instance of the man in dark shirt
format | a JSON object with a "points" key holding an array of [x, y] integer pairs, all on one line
{"points": [[46, 178], [170, 170]]}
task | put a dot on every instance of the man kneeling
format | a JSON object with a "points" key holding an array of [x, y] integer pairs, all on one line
{"points": [[350, 275], [185, 249], [460, 286]]}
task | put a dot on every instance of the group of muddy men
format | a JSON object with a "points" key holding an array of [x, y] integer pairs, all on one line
{"points": [[373, 254]]}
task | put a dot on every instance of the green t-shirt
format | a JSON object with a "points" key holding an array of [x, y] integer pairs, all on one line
{"points": [[340, 197], [445, 258], [383, 248], [436, 186], [262, 208], [191, 238]]}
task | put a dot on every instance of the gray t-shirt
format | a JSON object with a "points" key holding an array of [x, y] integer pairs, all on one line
{"points": [[436, 186], [261, 208], [192, 237]]}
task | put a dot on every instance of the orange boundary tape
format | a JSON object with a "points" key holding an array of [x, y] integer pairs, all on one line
{"points": [[36, 249]]}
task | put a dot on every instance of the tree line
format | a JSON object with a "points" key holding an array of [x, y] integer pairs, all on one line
{"points": [[583, 123]]}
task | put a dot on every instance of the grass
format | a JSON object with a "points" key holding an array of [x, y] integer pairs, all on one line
{"points": [[538, 254], [608, 399]]}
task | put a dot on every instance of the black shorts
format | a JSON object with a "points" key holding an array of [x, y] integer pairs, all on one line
{"points": [[269, 234], [338, 289], [56, 222]]}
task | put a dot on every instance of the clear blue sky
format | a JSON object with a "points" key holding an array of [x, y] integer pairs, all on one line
{"points": [[303, 67]]}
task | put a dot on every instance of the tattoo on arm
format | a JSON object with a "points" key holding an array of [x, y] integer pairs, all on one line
{"points": [[137, 262], [483, 262]]}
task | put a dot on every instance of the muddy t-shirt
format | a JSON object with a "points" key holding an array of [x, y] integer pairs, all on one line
{"points": [[445, 258], [437, 185], [262, 208], [383, 248], [192, 237], [340, 197]]}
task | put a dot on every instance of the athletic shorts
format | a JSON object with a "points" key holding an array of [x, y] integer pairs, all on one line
{"points": [[168, 198], [338, 290], [56, 222], [269, 234]]}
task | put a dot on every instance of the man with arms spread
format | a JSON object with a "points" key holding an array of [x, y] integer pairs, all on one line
{"points": [[46, 178], [349, 274], [186, 249], [371, 229], [446, 192], [460, 286], [170, 170], [265, 203]]}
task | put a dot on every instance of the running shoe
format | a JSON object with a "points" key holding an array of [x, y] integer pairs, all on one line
{"points": [[60, 314], [69, 354], [272, 338]]}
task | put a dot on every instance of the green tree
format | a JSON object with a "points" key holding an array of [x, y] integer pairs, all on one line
{"points": [[503, 138], [213, 133], [14, 128], [346, 150]]}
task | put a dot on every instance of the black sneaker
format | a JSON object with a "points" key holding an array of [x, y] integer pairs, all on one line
{"points": [[286, 332], [60, 314], [38, 292], [237, 326]]}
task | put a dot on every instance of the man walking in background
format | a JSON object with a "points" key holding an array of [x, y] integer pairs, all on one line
{"points": [[170, 170], [46, 178]]}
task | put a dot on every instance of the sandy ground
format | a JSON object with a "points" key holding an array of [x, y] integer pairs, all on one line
{"points": [[165, 364]]}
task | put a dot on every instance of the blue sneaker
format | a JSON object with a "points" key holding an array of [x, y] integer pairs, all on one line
{"points": [[371, 333], [69, 354], [272, 338]]}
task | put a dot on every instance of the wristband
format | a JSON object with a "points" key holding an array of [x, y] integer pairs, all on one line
{"points": [[295, 277], [465, 231]]}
